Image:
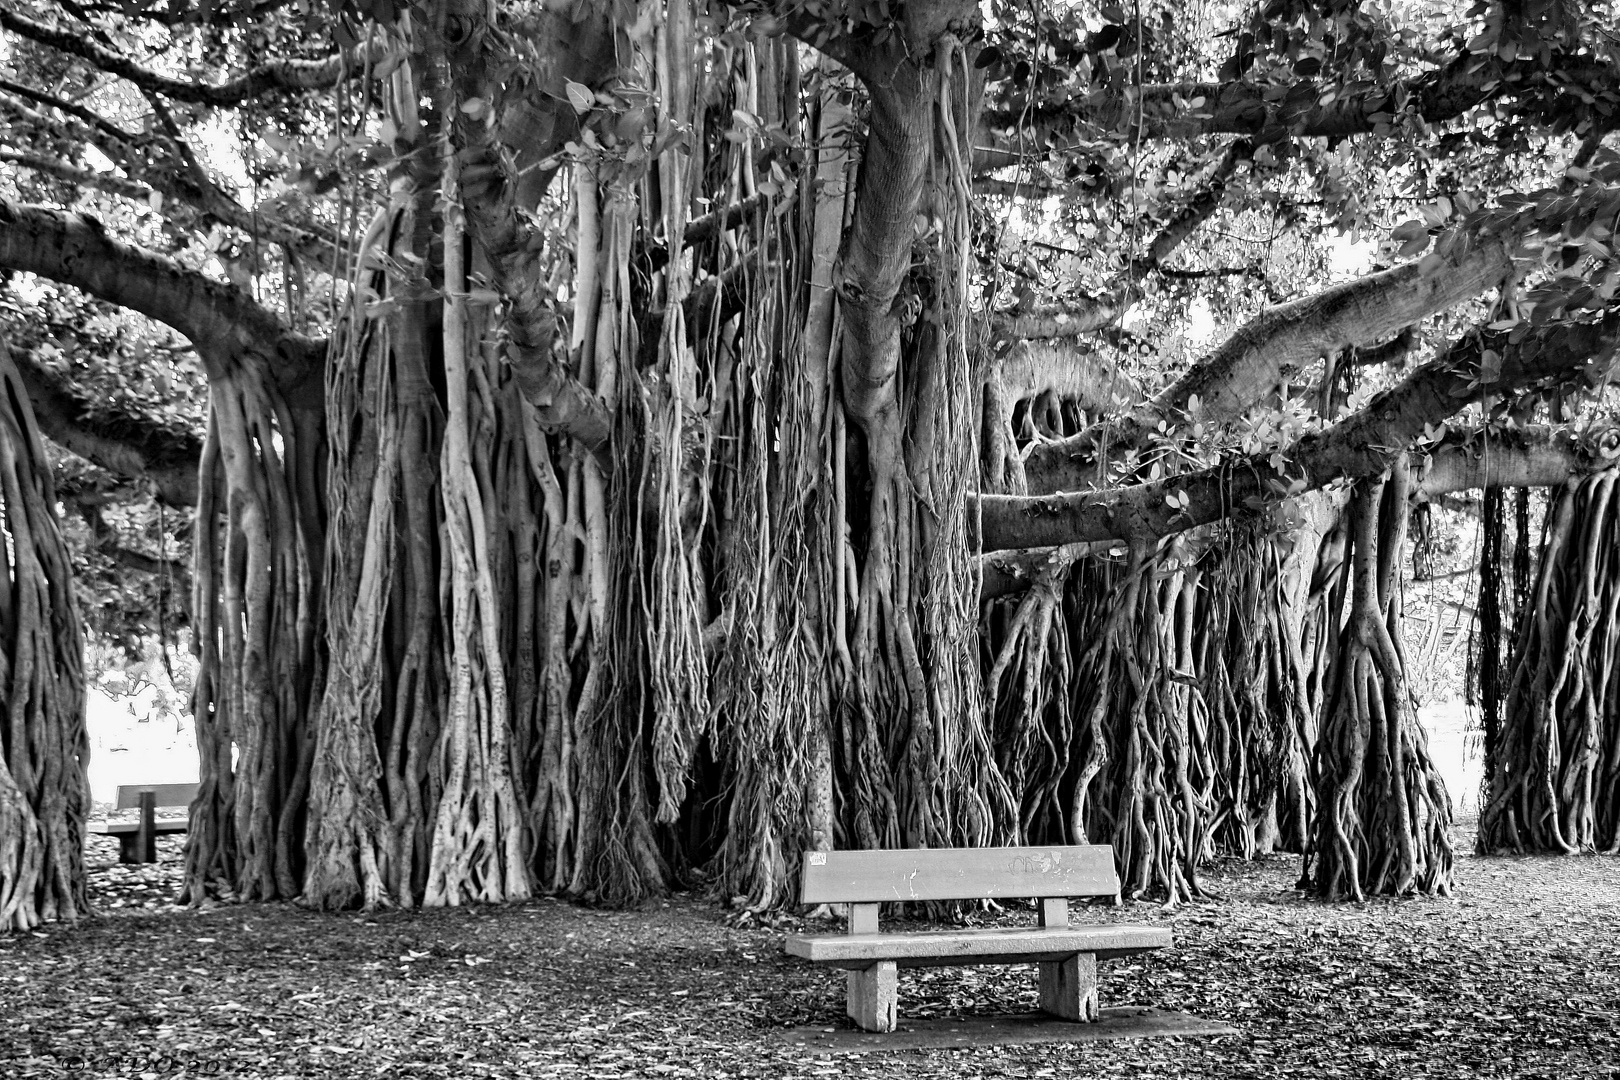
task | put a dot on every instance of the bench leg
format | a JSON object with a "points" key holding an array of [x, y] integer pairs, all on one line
{"points": [[1069, 987], [146, 831], [127, 850], [873, 995]]}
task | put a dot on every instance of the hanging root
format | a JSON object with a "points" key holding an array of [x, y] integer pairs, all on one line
{"points": [[1144, 780], [1383, 811], [1555, 781], [44, 746]]}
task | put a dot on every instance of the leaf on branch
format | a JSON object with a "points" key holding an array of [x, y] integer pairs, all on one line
{"points": [[1413, 236], [580, 97], [1414, 246]]}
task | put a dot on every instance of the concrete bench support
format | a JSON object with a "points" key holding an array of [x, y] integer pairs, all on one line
{"points": [[1069, 987], [874, 996]]}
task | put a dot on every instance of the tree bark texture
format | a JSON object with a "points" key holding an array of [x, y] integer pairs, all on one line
{"points": [[44, 746], [1382, 809], [1282, 341], [257, 631], [1555, 782]]}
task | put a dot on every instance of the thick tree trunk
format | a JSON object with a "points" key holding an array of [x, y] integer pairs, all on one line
{"points": [[257, 619], [917, 751], [372, 791], [468, 574], [1555, 780], [44, 747], [1383, 812]]}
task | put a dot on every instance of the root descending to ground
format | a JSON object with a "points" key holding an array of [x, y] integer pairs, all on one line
{"points": [[44, 791], [1554, 784], [1382, 809]]}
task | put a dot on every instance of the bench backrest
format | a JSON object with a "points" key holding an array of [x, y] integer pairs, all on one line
{"points": [[839, 877], [129, 795]]}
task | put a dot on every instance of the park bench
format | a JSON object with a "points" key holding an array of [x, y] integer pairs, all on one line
{"points": [[137, 840], [1066, 955]]}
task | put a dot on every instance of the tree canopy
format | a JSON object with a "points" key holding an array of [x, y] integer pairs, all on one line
{"points": [[632, 442]]}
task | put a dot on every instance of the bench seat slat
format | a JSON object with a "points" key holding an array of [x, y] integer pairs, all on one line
{"points": [[114, 828], [128, 796], [920, 874], [949, 948]]}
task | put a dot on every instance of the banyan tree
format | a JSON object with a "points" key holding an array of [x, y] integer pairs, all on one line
{"points": [[646, 441]]}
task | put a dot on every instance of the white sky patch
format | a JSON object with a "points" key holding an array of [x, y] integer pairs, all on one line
{"points": [[1348, 258], [28, 288], [1200, 329], [222, 146], [98, 161]]}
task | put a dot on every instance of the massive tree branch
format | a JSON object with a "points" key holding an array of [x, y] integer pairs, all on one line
{"points": [[319, 250], [1281, 340], [188, 186], [1534, 457], [1363, 444], [1076, 317], [1070, 371], [1540, 457], [131, 447], [1086, 314], [222, 322], [1268, 112], [1259, 357], [282, 75]]}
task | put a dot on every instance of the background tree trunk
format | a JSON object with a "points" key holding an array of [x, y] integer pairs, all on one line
{"points": [[1554, 785]]}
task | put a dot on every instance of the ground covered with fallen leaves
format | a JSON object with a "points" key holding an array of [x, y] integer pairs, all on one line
{"points": [[1517, 976]]}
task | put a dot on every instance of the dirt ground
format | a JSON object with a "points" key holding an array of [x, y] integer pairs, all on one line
{"points": [[1516, 976]]}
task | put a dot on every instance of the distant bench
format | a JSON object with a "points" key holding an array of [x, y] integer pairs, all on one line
{"points": [[137, 840], [1067, 955]]}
